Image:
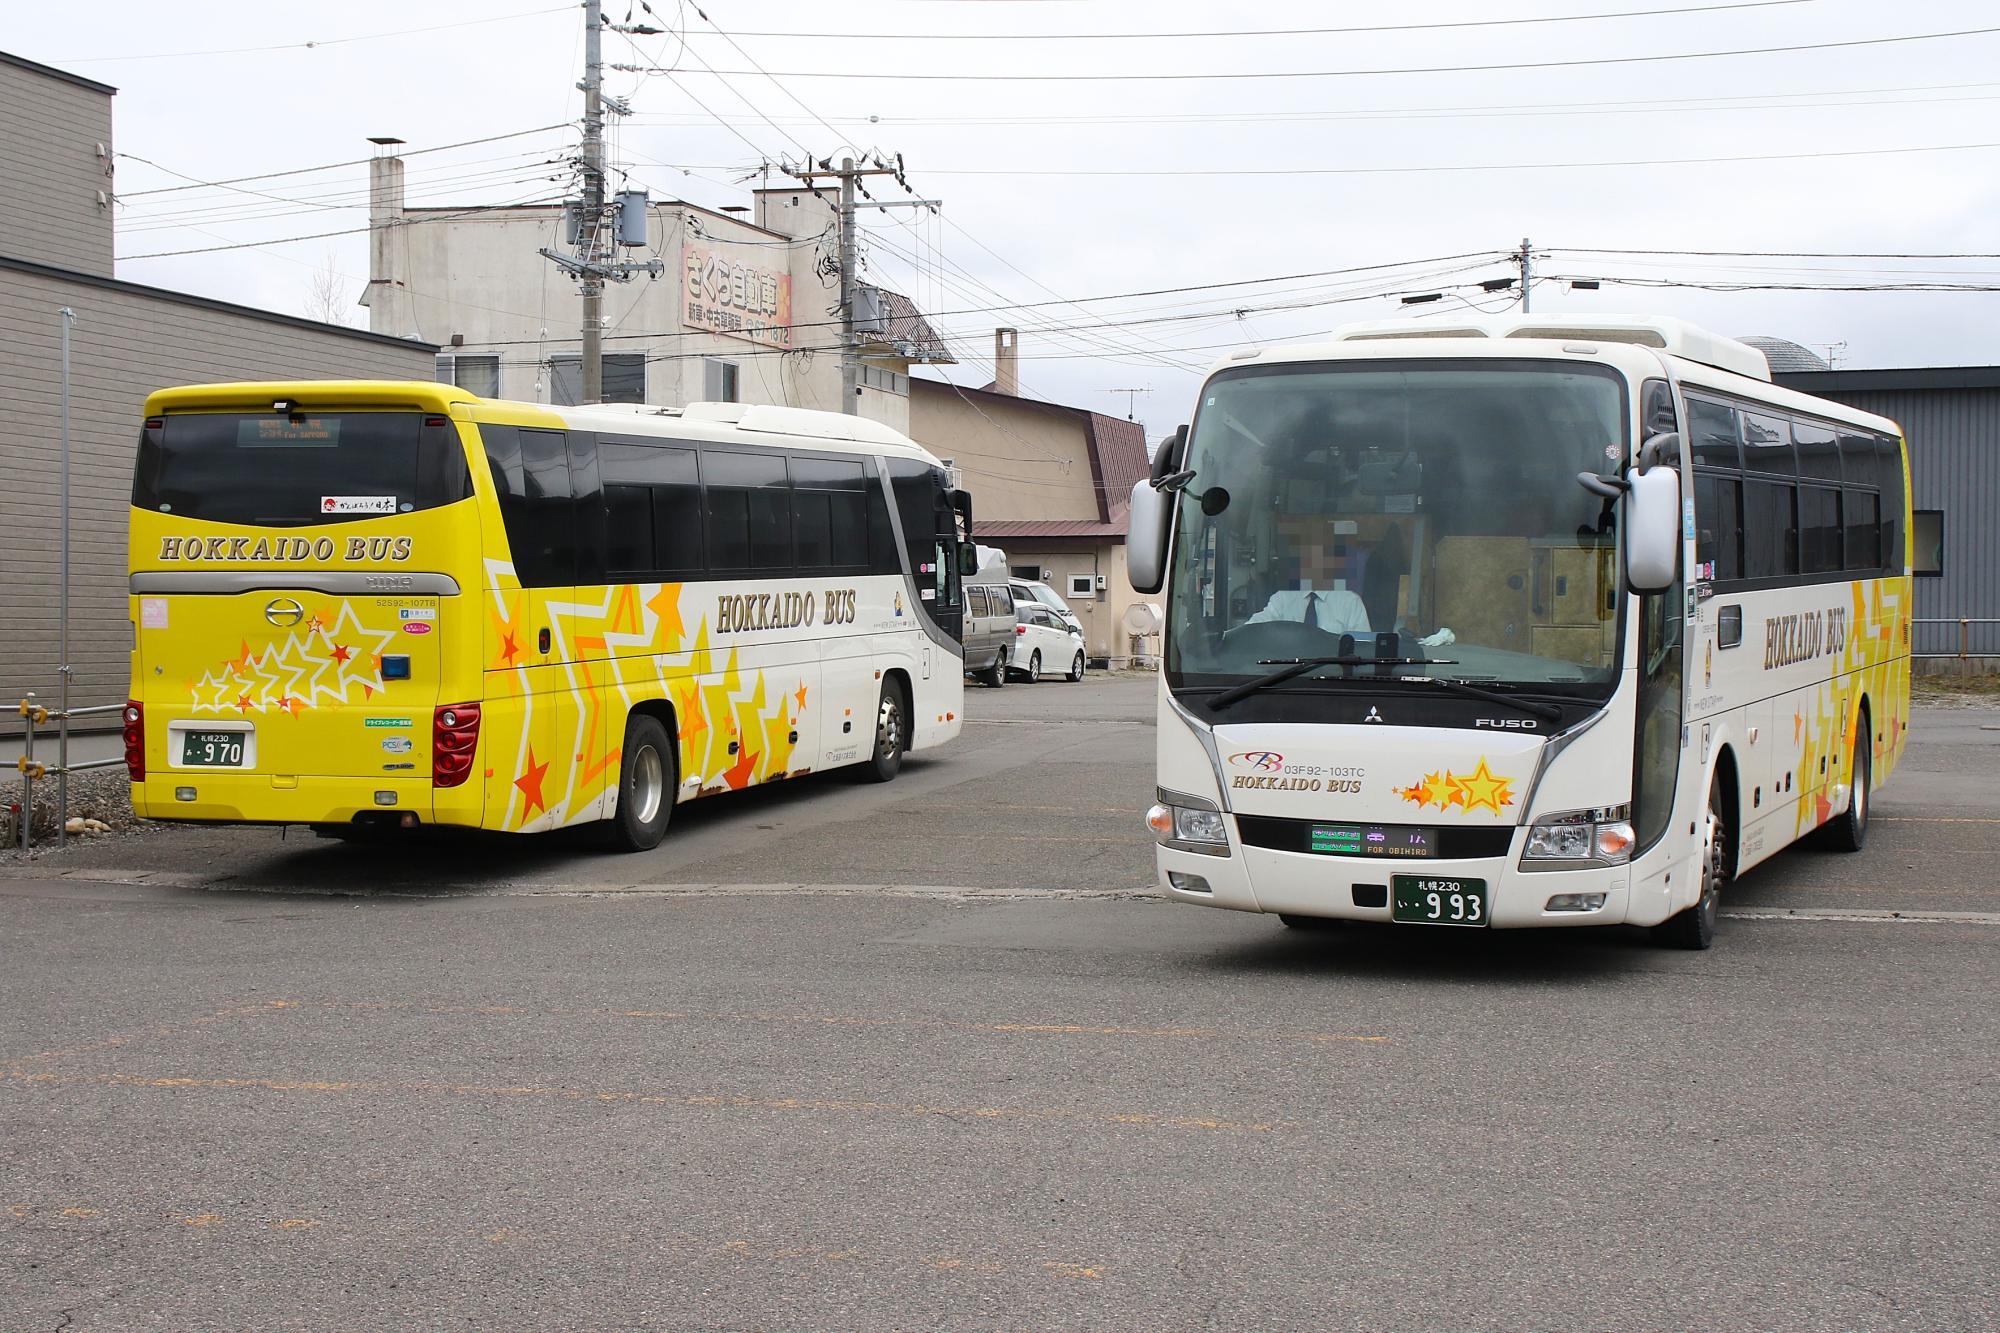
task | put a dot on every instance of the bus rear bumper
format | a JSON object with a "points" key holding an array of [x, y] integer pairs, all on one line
{"points": [[242, 798], [1256, 879]]}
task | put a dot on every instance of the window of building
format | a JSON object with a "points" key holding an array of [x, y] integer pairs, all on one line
{"points": [[888, 381], [474, 374], [719, 381], [1927, 542], [624, 378], [1081, 585]]}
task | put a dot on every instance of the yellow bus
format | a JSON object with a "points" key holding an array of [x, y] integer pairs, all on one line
{"points": [[367, 604]]}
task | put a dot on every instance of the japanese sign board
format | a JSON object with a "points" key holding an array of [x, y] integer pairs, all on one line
{"points": [[729, 296]]}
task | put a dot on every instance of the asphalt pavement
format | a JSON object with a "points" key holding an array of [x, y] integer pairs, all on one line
{"points": [[925, 1055]]}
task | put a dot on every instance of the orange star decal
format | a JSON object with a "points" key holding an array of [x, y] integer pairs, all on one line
{"points": [[738, 776], [530, 785], [666, 604], [801, 696], [693, 721], [509, 650], [243, 703]]}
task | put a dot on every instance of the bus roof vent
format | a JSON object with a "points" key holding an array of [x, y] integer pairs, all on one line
{"points": [[1675, 337], [729, 412], [1374, 329]]}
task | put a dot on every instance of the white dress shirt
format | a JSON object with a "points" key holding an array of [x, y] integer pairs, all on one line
{"points": [[1338, 612]]}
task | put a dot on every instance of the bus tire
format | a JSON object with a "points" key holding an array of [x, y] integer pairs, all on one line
{"points": [[1694, 927], [892, 737], [1848, 830], [996, 675], [645, 787]]}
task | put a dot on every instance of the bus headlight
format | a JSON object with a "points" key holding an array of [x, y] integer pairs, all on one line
{"points": [[1577, 838], [1189, 830]]}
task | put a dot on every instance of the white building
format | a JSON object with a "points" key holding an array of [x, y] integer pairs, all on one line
{"points": [[743, 311]]}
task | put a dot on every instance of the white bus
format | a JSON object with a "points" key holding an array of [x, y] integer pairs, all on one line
{"points": [[1518, 622]]}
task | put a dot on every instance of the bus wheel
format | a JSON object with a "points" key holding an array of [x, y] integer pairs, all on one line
{"points": [[891, 738], [996, 675], [1694, 927], [1848, 830], [645, 787]]}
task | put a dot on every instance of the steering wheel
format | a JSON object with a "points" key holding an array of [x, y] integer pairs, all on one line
{"points": [[1287, 638]]}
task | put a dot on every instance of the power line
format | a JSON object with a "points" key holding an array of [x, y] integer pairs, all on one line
{"points": [[316, 43], [1785, 254], [1258, 32], [1238, 75], [1464, 166], [344, 231], [334, 166]]}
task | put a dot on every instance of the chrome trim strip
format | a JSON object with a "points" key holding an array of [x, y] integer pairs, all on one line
{"points": [[1185, 800], [1198, 848], [343, 583], [1551, 748], [1206, 735]]}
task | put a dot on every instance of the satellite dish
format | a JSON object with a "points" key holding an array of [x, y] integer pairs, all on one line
{"points": [[1142, 618]]}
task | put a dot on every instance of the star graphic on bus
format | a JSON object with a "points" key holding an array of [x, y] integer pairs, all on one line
{"points": [[1481, 788]]}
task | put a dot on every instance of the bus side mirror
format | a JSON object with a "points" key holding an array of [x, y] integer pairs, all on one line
{"points": [[1146, 540], [968, 560], [1652, 529]]}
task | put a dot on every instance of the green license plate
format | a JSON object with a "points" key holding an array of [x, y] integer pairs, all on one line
{"points": [[213, 749], [1437, 900]]}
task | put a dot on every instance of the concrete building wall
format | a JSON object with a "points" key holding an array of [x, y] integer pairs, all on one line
{"points": [[478, 277], [55, 167], [128, 341], [1019, 458]]}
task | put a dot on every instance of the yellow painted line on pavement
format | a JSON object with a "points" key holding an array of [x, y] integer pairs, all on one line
{"points": [[719, 1101]]}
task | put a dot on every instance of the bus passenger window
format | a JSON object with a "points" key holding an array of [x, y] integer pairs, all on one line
{"points": [[1770, 521], [1719, 524]]}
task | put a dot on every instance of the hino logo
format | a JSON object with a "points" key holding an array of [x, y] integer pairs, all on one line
{"points": [[1507, 723]]}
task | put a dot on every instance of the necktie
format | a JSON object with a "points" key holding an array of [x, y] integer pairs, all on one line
{"points": [[1312, 609]]}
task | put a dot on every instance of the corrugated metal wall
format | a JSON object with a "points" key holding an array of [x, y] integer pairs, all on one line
{"points": [[1954, 442], [128, 342]]}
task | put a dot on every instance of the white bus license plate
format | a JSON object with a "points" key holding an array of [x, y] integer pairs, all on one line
{"points": [[214, 749], [1437, 900]]}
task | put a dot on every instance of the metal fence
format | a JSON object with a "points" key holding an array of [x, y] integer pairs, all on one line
{"points": [[1989, 645], [37, 715]]}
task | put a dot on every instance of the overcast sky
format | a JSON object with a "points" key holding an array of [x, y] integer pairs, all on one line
{"points": [[1358, 166]]}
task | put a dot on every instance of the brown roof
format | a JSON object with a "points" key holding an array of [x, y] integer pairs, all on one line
{"points": [[909, 333], [1118, 459], [990, 529]]}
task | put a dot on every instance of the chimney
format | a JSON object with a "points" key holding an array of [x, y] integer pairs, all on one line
{"points": [[386, 291], [1006, 361]]}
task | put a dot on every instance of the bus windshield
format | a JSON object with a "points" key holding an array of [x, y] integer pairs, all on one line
{"points": [[1407, 510]]}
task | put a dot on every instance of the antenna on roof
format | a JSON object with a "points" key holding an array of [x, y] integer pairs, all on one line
{"points": [[1131, 399]]}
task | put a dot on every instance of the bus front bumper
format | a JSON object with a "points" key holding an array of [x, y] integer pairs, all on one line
{"points": [[1257, 879]]}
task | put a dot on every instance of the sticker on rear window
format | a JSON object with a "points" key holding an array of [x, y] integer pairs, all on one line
{"points": [[357, 504]]}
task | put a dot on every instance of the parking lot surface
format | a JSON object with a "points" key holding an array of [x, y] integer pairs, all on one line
{"points": [[928, 1055]]}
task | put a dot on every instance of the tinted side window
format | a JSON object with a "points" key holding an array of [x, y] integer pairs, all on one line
{"points": [[1003, 602], [628, 531], [1719, 532], [1767, 445], [830, 504], [1770, 530], [1713, 431], [749, 510], [1818, 449], [669, 479], [976, 603], [531, 476], [928, 531], [1889, 471], [1819, 530], [1864, 529]]}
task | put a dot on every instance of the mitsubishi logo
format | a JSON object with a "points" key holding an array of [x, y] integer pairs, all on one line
{"points": [[1374, 714], [284, 612]]}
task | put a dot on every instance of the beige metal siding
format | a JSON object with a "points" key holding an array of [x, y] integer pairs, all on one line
{"points": [[127, 342], [51, 172]]}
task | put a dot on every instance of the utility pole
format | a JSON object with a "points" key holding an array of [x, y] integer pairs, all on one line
{"points": [[590, 280], [1526, 257], [592, 264], [849, 174]]}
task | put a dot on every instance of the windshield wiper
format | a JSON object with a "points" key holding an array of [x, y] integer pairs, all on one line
{"points": [[1456, 686], [1289, 667]]}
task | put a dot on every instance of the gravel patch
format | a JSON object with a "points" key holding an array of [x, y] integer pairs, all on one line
{"points": [[102, 796]]}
